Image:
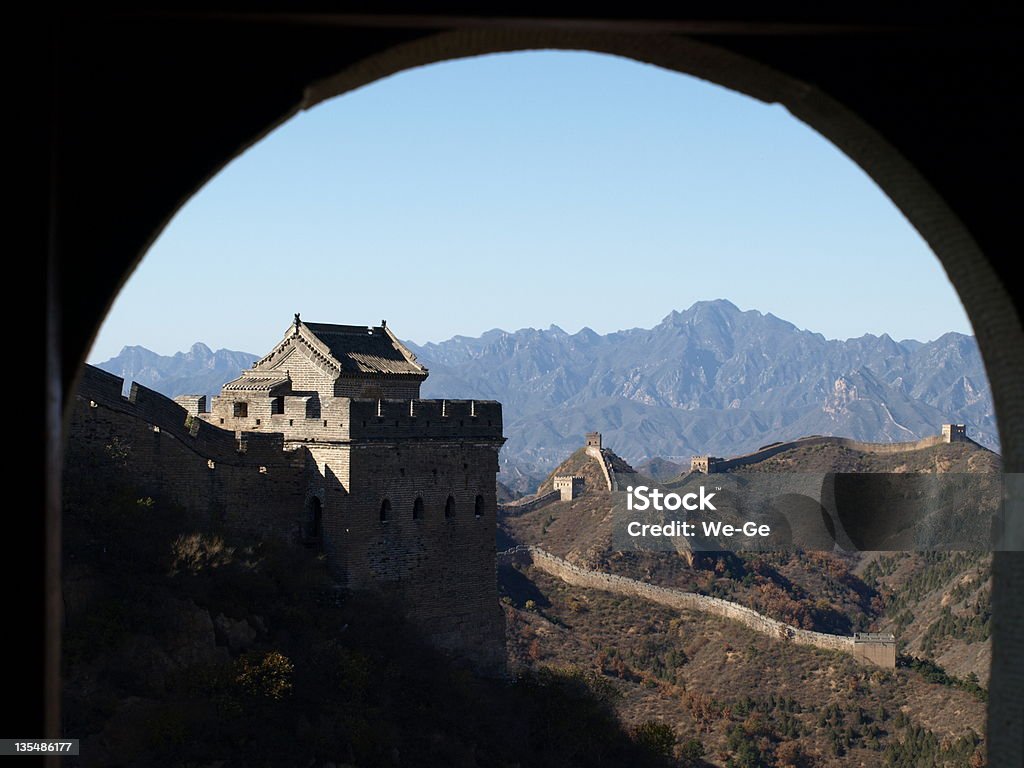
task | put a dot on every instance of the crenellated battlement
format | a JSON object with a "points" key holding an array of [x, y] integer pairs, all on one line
{"points": [[166, 417], [473, 419]]}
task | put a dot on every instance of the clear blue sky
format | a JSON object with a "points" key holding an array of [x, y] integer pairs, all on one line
{"points": [[532, 189]]}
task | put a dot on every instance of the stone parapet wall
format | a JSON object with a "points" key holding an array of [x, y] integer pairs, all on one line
{"points": [[722, 465], [597, 454], [681, 600], [251, 485], [529, 503]]}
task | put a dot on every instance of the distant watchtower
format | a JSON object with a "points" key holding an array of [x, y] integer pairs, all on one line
{"points": [[570, 486], [594, 440], [706, 464], [954, 433], [877, 649]]}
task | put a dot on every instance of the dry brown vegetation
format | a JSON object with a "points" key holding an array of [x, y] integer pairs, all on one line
{"points": [[749, 699], [726, 686]]}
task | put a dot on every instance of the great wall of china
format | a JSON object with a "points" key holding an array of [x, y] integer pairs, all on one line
{"points": [[868, 648], [951, 433], [706, 464]]}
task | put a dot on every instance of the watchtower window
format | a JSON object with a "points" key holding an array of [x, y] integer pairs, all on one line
{"points": [[385, 510], [449, 508], [241, 410], [417, 508], [277, 405], [478, 506]]}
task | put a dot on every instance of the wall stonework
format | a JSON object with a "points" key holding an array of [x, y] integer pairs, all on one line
{"points": [[399, 492], [529, 503], [872, 649], [712, 464], [168, 454], [597, 453], [569, 487], [875, 649], [954, 433], [706, 464]]}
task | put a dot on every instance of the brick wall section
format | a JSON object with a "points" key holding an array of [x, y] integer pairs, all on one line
{"points": [[441, 566], [263, 482], [194, 404], [168, 458], [530, 503], [609, 474], [866, 651], [876, 650], [856, 445], [309, 371]]}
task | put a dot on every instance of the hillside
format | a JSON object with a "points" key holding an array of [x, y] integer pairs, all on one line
{"points": [[743, 698], [833, 457], [936, 604], [939, 603], [661, 469]]}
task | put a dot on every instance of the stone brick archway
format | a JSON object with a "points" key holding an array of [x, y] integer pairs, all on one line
{"points": [[992, 313]]}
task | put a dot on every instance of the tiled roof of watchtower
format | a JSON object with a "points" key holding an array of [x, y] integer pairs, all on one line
{"points": [[359, 349], [256, 381]]}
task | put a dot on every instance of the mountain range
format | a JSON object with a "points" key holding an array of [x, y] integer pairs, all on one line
{"points": [[710, 379], [200, 371]]}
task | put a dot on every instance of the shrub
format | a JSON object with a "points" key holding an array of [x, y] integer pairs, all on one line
{"points": [[195, 552], [656, 737], [690, 752], [264, 675]]}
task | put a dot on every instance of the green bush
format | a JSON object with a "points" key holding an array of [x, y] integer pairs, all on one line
{"points": [[655, 737]]}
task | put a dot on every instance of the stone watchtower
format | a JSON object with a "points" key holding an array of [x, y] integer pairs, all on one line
{"points": [[954, 433], [569, 486], [399, 492], [706, 464]]}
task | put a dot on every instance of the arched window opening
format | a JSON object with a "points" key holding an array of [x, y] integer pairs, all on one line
{"points": [[385, 510], [417, 508], [449, 508], [478, 506]]}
